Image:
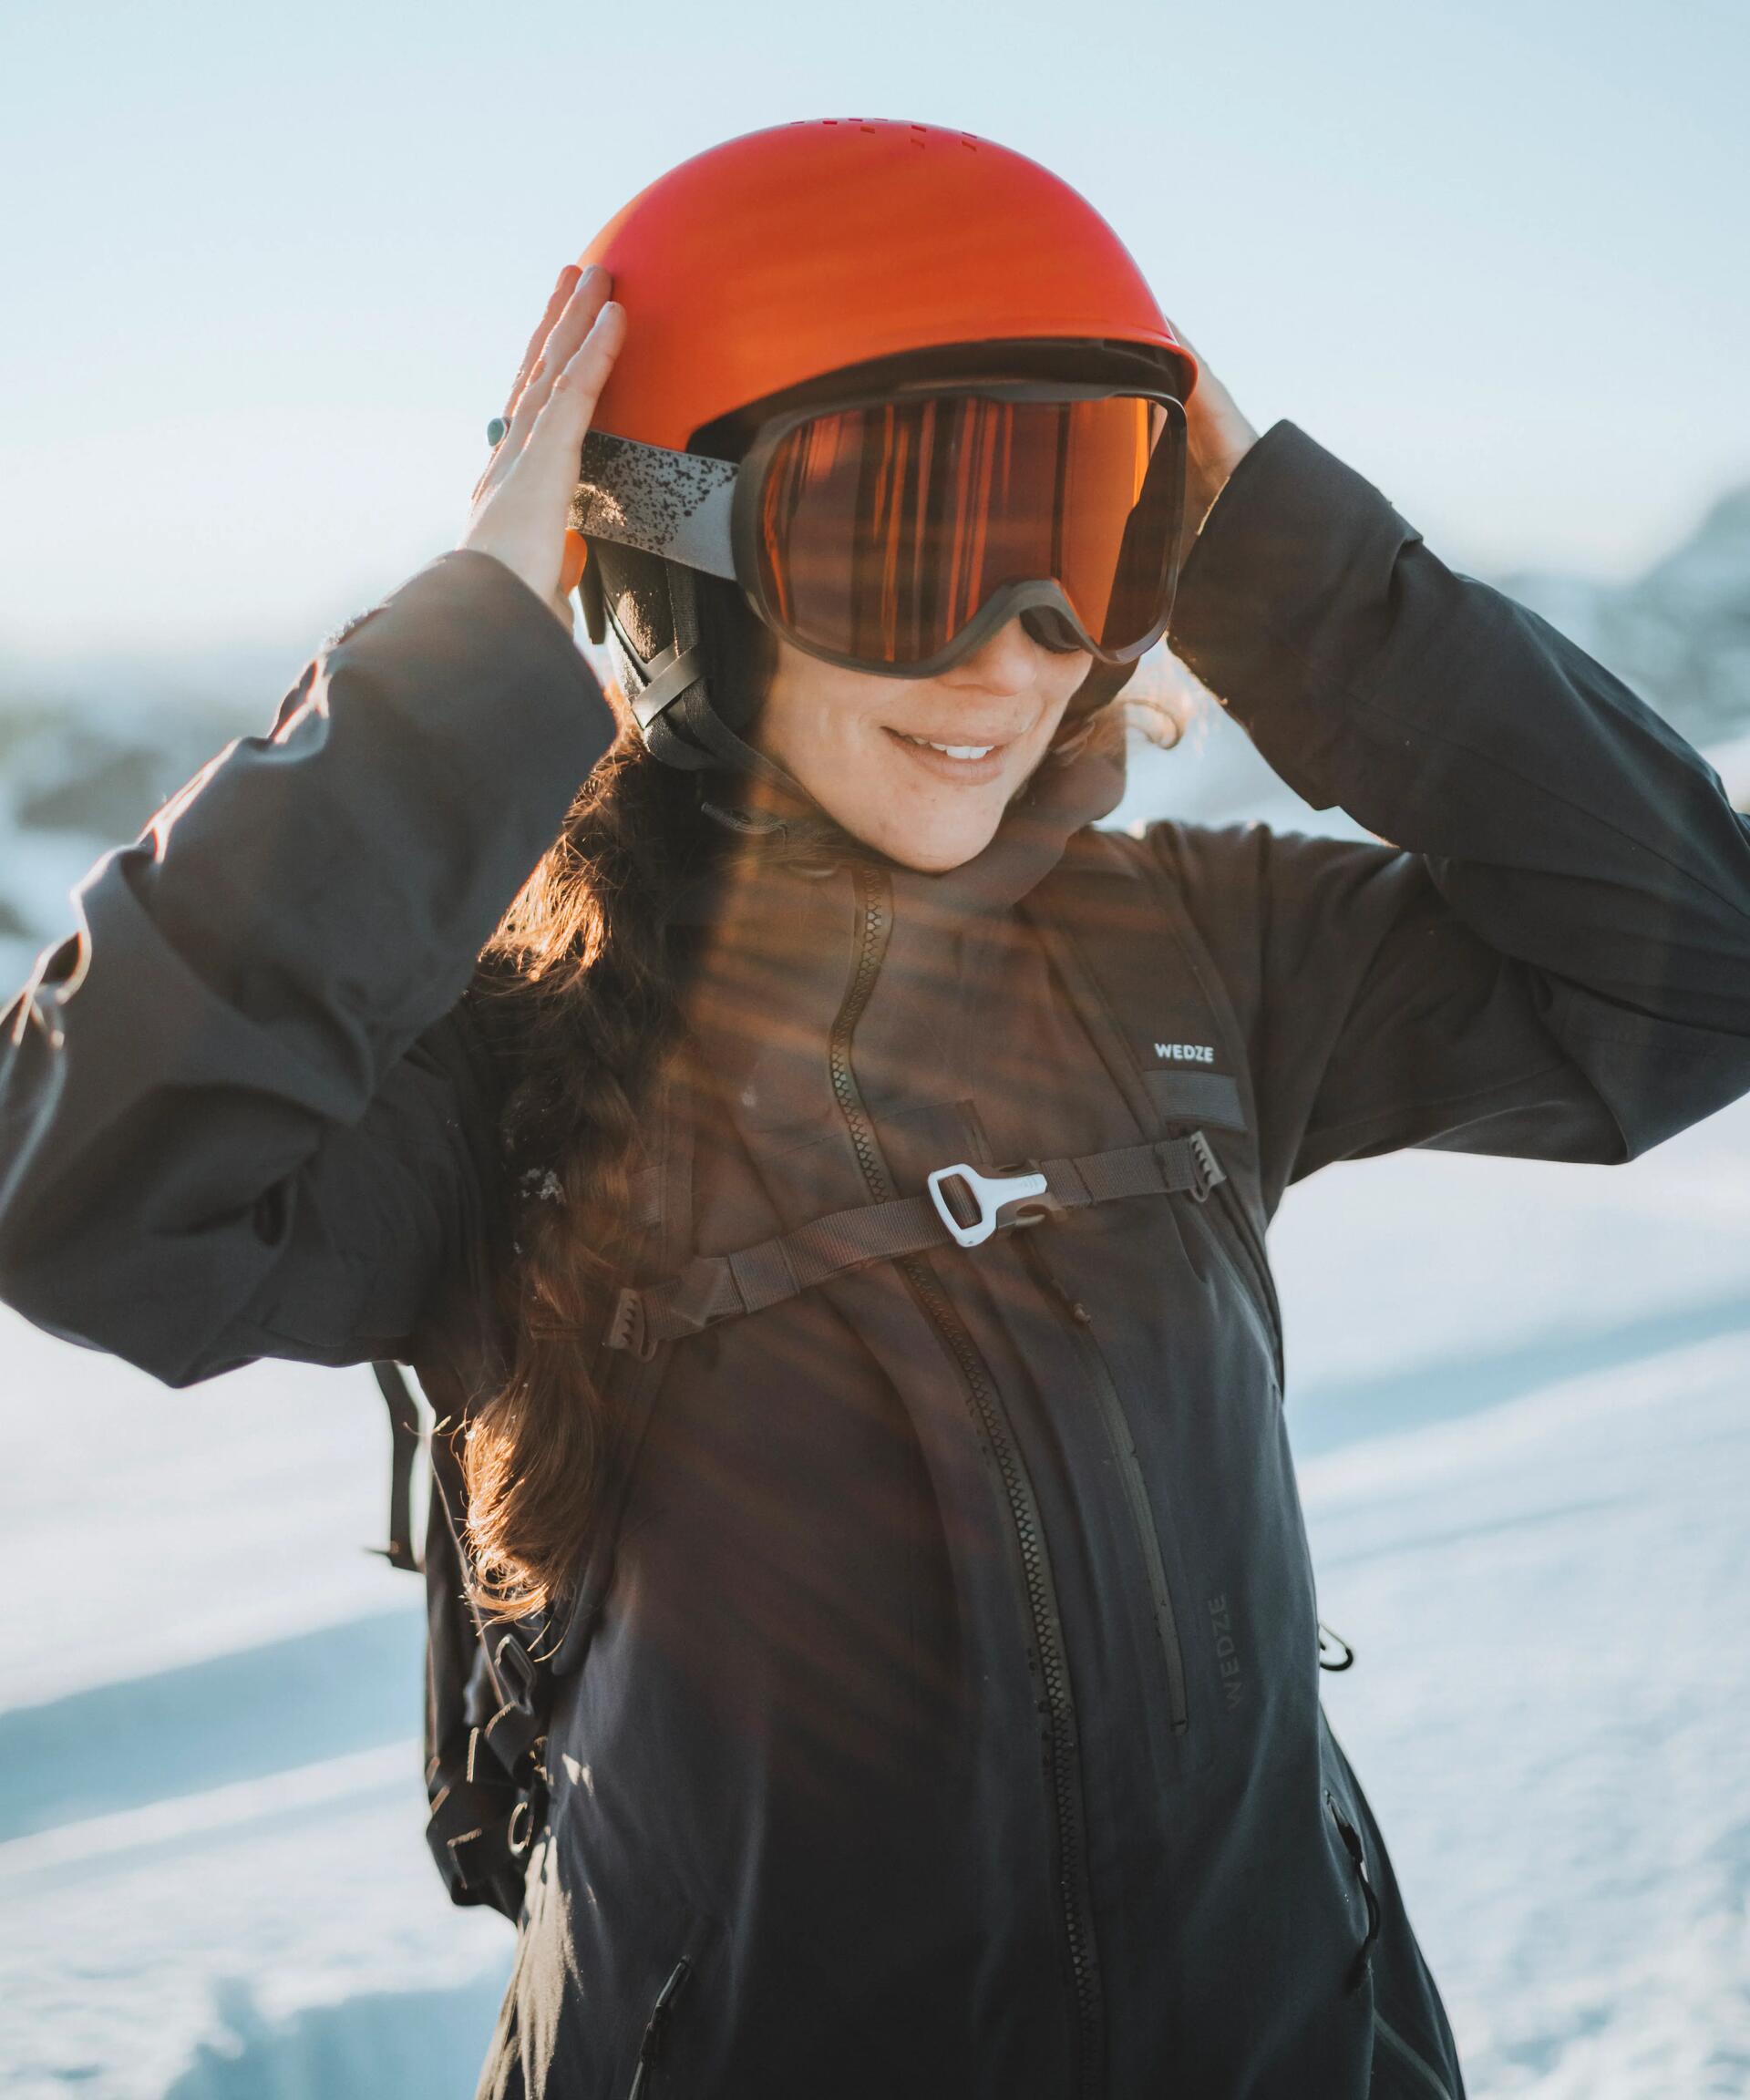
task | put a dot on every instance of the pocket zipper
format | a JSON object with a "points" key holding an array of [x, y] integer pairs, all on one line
{"points": [[1256, 1291], [1351, 1844], [655, 2027], [1229, 1198]]}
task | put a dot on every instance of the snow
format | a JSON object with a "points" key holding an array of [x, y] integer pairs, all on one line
{"points": [[1516, 1393], [1548, 1602], [233, 1943]]}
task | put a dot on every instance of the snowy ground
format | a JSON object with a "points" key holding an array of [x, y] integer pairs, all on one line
{"points": [[1549, 1601], [1519, 1399]]}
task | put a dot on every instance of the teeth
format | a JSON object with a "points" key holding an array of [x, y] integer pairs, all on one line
{"points": [[954, 750]]}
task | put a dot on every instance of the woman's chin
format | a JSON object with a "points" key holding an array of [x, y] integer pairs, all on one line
{"points": [[934, 848]]}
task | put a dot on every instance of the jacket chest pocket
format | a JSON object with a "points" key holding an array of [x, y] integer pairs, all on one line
{"points": [[1223, 1234]]}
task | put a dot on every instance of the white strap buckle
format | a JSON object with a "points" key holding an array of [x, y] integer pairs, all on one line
{"points": [[990, 1194]]}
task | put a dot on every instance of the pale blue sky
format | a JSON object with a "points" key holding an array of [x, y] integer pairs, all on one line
{"points": [[266, 273]]}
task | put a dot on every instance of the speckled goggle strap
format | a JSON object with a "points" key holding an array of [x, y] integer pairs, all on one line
{"points": [[674, 504]]}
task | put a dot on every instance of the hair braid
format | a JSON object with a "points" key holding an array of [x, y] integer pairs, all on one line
{"points": [[580, 979]]}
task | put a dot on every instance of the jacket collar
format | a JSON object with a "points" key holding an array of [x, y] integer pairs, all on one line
{"points": [[1063, 796]]}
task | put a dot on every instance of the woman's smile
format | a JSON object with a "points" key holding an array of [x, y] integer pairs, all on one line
{"points": [[966, 763]]}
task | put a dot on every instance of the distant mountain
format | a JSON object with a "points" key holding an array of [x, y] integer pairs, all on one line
{"points": [[78, 774], [1680, 635], [89, 750]]}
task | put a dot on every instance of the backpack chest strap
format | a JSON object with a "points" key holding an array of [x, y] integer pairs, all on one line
{"points": [[962, 1207]]}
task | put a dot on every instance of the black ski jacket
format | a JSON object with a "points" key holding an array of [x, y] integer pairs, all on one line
{"points": [[942, 1715]]}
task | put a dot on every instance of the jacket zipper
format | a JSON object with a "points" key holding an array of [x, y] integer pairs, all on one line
{"points": [[872, 902], [1117, 1431]]}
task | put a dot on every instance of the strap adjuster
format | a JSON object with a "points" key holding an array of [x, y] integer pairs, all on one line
{"points": [[1209, 1169], [992, 1193], [626, 1326], [521, 1675]]}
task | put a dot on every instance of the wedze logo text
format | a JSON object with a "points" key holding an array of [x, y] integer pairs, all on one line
{"points": [[1227, 1652], [1185, 1053]]}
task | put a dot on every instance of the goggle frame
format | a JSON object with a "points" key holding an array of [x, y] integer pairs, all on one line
{"points": [[705, 512]]}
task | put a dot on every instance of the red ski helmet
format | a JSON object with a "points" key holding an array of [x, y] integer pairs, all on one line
{"points": [[791, 253], [764, 270]]}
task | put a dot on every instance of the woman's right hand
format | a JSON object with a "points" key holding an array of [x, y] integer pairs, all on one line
{"points": [[524, 498]]}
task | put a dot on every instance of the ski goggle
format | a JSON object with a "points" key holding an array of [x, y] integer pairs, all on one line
{"points": [[895, 533]]}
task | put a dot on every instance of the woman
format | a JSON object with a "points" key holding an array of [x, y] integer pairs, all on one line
{"points": [[843, 1237]]}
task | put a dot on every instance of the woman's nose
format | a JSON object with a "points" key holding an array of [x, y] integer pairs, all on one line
{"points": [[1005, 662]]}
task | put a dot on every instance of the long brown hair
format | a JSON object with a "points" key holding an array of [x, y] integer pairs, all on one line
{"points": [[583, 981]]}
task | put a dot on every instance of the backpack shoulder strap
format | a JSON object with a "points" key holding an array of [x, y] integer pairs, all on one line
{"points": [[459, 1045], [490, 1682], [629, 1382]]}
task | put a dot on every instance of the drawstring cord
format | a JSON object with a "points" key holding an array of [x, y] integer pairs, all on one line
{"points": [[1325, 1633]]}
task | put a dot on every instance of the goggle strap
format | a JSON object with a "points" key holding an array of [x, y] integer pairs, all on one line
{"points": [[674, 504]]}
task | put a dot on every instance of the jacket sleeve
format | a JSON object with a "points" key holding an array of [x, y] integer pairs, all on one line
{"points": [[1547, 954], [223, 1134]]}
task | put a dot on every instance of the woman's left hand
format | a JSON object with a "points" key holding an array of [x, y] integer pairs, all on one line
{"points": [[1217, 436], [524, 496]]}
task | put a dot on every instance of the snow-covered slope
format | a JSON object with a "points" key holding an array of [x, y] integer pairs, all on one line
{"points": [[1548, 1599]]}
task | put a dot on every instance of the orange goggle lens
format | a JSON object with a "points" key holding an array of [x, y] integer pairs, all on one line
{"points": [[883, 530]]}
